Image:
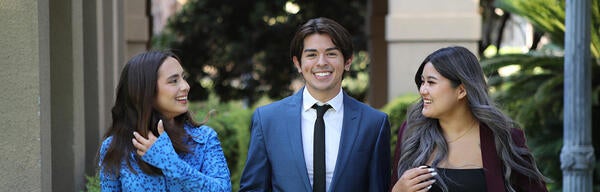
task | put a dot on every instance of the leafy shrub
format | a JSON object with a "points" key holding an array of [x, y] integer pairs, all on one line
{"points": [[356, 81], [92, 183], [396, 110], [533, 95], [231, 121]]}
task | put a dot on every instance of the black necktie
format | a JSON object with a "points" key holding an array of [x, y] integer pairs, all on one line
{"points": [[319, 149]]}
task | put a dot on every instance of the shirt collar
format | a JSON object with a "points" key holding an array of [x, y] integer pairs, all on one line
{"points": [[308, 100]]}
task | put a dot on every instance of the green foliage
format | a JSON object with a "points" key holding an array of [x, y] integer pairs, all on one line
{"points": [[239, 49], [549, 16], [396, 110], [533, 95], [231, 121], [92, 183], [545, 15], [356, 81]]}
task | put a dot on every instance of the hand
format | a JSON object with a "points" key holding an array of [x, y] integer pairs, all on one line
{"points": [[142, 144], [415, 179]]}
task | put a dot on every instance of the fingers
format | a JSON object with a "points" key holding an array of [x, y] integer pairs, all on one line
{"points": [[142, 144], [424, 186], [160, 127], [141, 148], [397, 186], [426, 175], [416, 179], [140, 138], [419, 173]]}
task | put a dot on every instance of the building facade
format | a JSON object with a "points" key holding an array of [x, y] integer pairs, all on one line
{"points": [[60, 66]]}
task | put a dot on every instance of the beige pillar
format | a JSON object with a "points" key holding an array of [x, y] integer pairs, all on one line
{"points": [[137, 30], [103, 57], [23, 61], [113, 31], [60, 63], [67, 96], [414, 29]]}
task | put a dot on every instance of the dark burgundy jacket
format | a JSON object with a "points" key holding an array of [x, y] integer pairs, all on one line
{"points": [[492, 164]]}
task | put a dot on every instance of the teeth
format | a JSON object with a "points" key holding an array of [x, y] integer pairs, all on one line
{"points": [[322, 74], [181, 98], [427, 101]]}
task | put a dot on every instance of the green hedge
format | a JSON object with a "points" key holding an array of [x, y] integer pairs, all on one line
{"points": [[533, 95], [231, 121], [92, 184], [396, 110]]}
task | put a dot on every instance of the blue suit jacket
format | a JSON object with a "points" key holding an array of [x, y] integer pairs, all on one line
{"points": [[276, 158]]}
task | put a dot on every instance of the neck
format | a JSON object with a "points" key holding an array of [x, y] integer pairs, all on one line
{"points": [[323, 96], [458, 122], [168, 120]]}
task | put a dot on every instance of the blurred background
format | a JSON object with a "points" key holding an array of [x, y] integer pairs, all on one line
{"points": [[61, 61]]}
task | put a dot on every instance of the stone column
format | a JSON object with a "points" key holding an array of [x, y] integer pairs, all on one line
{"points": [[577, 155], [136, 27], [67, 95], [24, 121], [415, 29], [377, 94], [104, 50]]}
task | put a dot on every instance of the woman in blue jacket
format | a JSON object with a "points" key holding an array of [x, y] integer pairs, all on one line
{"points": [[153, 143]]}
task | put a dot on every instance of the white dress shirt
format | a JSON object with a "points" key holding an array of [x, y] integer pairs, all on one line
{"points": [[333, 132]]}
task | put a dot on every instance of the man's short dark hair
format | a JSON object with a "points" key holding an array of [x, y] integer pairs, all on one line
{"points": [[339, 35]]}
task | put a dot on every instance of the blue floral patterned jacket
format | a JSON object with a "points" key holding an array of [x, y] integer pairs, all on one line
{"points": [[204, 169]]}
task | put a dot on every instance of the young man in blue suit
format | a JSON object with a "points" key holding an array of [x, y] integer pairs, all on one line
{"points": [[287, 151]]}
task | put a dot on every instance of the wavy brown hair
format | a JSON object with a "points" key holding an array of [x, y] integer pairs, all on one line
{"points": [[135, 110]]}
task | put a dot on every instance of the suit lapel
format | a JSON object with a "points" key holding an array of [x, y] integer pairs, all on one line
{"points": [[350, 129], [293, 121]]}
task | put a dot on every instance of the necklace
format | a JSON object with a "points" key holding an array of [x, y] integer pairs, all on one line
{"points": [[459, 137]]}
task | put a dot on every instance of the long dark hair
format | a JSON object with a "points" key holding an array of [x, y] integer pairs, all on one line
{"points": [[135, 110], [422, 134]]}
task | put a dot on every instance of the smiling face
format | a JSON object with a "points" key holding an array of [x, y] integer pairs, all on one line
{"points": [[172, 89], [440, 98], [322, 65]]}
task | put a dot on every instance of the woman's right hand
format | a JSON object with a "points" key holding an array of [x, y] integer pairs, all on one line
{"points": [[142, 144], [415, 179]]}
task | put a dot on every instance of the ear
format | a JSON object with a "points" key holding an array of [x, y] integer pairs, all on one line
{"points": [[462, 92], [348, 63], [297, 64]]}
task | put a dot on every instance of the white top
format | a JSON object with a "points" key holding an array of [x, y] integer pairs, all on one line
{"points": [[333, 132]]}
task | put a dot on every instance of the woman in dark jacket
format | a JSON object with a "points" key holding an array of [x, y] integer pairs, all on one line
{"points": [[455, 139]]}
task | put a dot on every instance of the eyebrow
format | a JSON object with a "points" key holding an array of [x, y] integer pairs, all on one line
{"points": [[429, 77], [173, 76], [315, 50]]}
